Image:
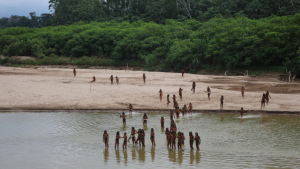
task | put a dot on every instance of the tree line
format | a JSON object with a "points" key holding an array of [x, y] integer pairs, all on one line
{"points": [[226, 43], [32, 21]]}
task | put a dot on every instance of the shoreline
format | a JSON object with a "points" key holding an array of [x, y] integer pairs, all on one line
{"points": [[152, 111]]}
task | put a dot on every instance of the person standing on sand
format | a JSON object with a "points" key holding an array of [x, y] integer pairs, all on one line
{"points": [[74, 72], [162, 122], [144, 77], [182, 72], [208, 92], [94, 79], [130, 107], [198, 140], [168, 100], [111, 79], [263, 100], [160, 95], [180, 93], [221, 102], [267, 97], [105, 138], [117, 80], [124, 117], [242, 112], [194, 87], [242, 91], [152, 136]]}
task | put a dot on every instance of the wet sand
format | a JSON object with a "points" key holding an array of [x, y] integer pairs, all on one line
{"points": [[57, 89]]}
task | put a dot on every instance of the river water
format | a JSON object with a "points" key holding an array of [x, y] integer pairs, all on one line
{"points": [[74, 140]]}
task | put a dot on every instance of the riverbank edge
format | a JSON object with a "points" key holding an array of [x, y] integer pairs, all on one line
{"points": [[153, 110]]}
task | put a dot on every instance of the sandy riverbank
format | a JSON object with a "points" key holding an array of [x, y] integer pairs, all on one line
{"points": [[53, 88]]}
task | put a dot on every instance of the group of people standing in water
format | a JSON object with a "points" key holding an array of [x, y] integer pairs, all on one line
{"points": [[171, 134]]}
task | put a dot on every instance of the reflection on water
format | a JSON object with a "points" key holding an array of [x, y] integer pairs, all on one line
{"points": [[74, 140]]}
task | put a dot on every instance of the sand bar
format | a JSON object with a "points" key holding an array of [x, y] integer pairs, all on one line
{"points": [[57, 89]]}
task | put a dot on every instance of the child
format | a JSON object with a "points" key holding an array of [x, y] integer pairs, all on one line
{"points": [[162, 122], [198, 140], [168, 100], [177, 111], [152, 138], [263, 100], [117, 139], [173, 139], [105, 138], [182, 72], [267, 97], [179, 140], [169, 138], [171, 114]]}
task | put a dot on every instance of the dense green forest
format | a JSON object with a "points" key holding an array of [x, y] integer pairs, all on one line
{"points": [[163, 34]]}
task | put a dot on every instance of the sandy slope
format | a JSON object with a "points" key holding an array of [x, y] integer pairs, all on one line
{"points": [[50, 88]]}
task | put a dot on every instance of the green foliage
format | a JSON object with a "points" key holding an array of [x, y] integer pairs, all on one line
{"points": [[225, 43]]}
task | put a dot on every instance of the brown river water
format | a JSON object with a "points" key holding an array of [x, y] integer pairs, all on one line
{"points": [[74, 140]]}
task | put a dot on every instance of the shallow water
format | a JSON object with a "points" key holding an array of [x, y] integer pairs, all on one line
{"points": [[74, 140]]}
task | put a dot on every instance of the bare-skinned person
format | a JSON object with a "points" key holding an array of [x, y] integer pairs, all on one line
{"points": [[166, 133], [208, 92], [105, 138], [130, 107], [194, 87], [177, 111], [117, 80], [173, 139], [171, 114], [263, 100], [191, 140], [267, 97], [123, 116], [145, 119], [180, 93], [162, 122], [143, 137], [221, 102], [184, 110], [144, 77], [180, 138], [242, 112], [190, 108], [169, 139], [133, 132], [168, 100], [74, 72], [152, 137], [183, 138], [243, 91], [117, 141], [175, 104], [198, 140], [125, 141], [174, 98], [160, 94], [94, 79], [111, 79], [182, 72], [138, 139]]}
